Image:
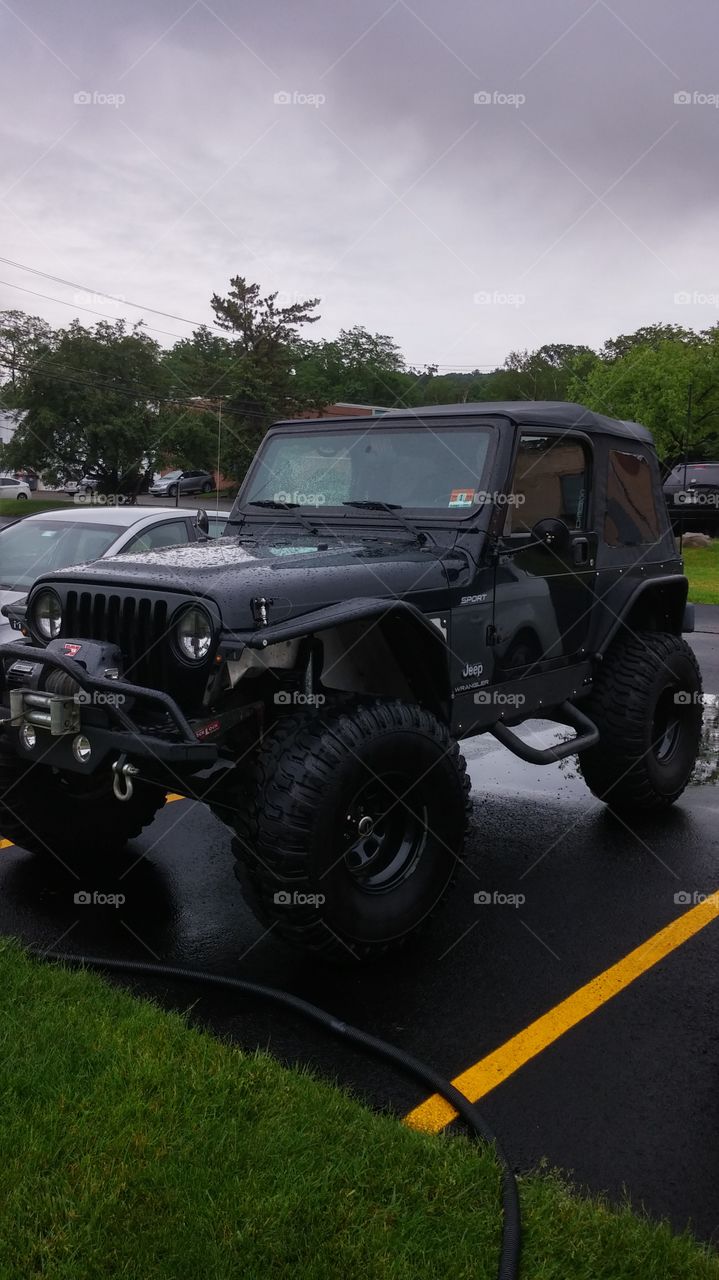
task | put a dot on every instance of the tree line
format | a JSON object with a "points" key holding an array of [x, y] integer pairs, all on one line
{"points": [[111, 402]]}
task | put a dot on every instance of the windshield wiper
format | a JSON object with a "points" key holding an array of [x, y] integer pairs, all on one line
{"points": [[292, 507], [370, 504]]}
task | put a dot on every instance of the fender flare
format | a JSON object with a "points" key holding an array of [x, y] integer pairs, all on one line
{"points": [[678, 585], [429, 659]]}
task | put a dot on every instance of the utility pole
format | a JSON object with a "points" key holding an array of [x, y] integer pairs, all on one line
{"points": [[687, 432]]}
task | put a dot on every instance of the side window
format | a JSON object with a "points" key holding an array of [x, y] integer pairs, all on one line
{"points": [[216, 526], [171, 533], [550, 479], [631, 515]]}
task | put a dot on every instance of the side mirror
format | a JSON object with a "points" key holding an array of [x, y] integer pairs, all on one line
{"points": [[553, 534], [202, 523]]}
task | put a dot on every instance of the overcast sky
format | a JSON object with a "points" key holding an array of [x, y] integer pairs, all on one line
{"points": [[577, 202]]}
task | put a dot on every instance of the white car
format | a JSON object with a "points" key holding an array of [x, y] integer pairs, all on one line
{"points": [[12, 488], [57, 539]]}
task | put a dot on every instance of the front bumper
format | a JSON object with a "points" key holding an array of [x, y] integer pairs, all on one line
{"points": [[100, 713]]}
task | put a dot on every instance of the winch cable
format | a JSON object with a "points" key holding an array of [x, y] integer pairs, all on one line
{"points": [[403, 1062]]}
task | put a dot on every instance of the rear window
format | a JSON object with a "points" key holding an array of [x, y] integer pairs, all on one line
{"points": [[631, 515], [701, 473]]}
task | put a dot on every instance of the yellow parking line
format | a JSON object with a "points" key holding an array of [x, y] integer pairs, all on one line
{"points": [[477, 1081], [172, 795]]}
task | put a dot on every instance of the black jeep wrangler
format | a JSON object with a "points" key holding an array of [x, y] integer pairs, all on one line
{"points": [[385, 588]]}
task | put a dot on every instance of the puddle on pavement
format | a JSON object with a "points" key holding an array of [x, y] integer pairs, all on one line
{"points": [[706, 769]]}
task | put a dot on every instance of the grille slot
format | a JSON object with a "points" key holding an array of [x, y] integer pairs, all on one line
{"points": [[137, 625]]}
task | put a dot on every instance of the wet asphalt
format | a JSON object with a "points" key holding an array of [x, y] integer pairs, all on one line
{"points": [[627, 1101]]}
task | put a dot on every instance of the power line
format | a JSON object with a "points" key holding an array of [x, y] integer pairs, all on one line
{"points": [[135, 392], [76, 306], [100, 293]]}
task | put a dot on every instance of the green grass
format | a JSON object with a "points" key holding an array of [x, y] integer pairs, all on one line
{"points": [[132, 1146], [16, 506], [701, 565]]}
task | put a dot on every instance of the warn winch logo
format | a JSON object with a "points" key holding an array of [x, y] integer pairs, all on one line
{"points": [[204, 730]]}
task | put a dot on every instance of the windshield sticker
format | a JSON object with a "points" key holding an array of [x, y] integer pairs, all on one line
{"points": [[461, 498]]}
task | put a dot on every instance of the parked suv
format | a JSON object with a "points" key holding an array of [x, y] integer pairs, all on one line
{"points": [[385, 589], [692, 494]]}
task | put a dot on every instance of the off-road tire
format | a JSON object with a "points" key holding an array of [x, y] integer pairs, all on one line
{"points": [[636, 765], [71, 818], [292, 822]]}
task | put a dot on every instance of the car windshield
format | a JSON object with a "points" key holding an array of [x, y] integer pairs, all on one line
{"points": [[426, 468], [171, 475], [30, 548]]}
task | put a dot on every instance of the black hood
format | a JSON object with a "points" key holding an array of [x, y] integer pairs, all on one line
{"points": [[299, 574]]}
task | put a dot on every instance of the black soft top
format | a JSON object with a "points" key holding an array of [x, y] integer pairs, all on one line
{"points": [[541, 413]]}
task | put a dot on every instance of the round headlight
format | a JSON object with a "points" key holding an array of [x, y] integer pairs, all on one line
{"points": [[194, 635], [47, 614]]}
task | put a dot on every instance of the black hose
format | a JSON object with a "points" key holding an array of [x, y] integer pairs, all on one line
{"points": [[403, 1062]]}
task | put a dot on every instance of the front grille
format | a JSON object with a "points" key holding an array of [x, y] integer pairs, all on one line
{"points": [[138, 625]]}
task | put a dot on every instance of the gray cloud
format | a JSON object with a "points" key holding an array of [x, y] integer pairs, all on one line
{"points": [[463, 228]]}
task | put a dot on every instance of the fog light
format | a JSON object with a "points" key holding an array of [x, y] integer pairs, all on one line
{"points": [[81, 748], [28, 736]]}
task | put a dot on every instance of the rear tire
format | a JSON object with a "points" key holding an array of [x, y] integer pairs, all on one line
{"points": [[648, 739], [68, 816], [355, 828]]}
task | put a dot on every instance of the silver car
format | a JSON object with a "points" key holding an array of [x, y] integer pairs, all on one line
{"points": [[183, 482], [56, 539]]}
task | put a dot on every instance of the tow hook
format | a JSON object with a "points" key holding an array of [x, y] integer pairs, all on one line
{"points": [[122, 775]]}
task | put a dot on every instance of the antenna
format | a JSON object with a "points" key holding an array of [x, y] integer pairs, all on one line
{"points": [[219, 452]]}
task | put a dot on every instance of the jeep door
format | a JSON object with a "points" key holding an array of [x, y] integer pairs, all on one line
{"points": [[543, 594]]}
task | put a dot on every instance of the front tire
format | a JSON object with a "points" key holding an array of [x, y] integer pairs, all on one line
{"points": [[356, 827], [646, 703], [68, 816]]}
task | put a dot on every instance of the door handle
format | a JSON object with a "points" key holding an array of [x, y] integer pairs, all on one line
{"points": [[580, 551]]}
